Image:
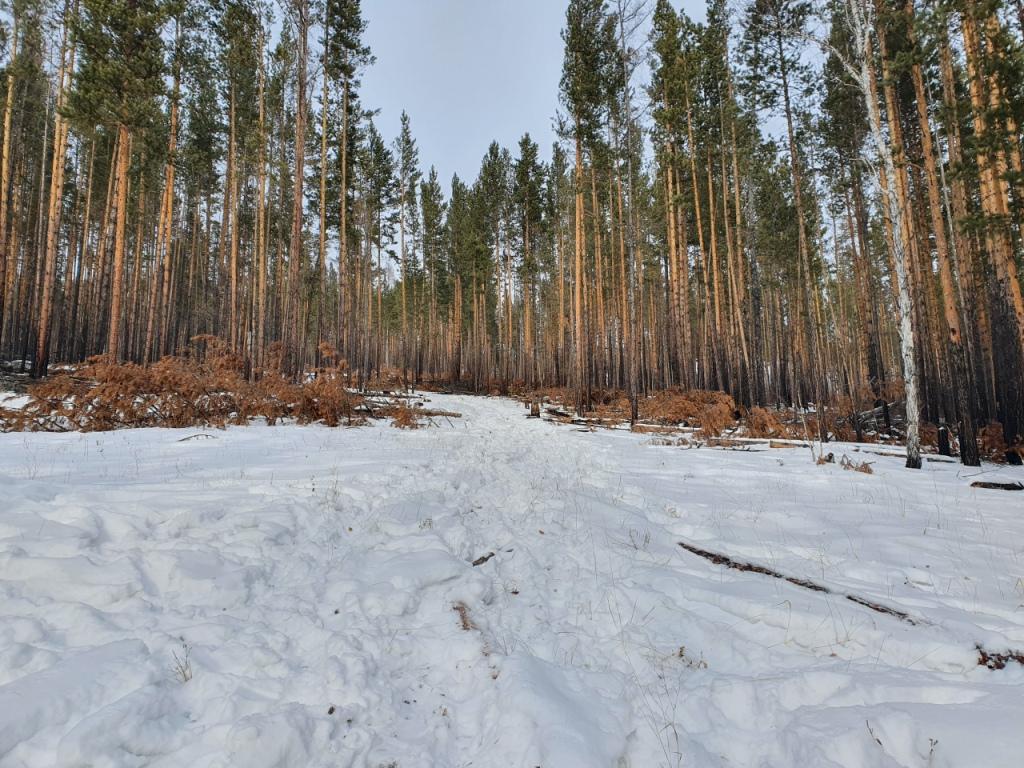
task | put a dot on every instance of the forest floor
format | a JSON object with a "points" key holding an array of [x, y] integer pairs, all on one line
{"points": [[12, 380], [500, 591]]}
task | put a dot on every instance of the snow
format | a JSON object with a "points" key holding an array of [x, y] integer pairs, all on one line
{"points": [[13, 400], [320, 582]]}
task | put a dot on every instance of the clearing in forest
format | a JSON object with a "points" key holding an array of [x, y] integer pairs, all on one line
{"points": [[495, 590]]}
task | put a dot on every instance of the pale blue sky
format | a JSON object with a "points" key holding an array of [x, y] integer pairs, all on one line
{"points": [[467, 72]]}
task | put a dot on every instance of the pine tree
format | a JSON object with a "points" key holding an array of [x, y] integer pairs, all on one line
{"points": [[159, 161], [65, 69], [407, 156], [861, 24], [527, 211], [116, 86], [772, 44], [294, 323], [583, 96], [345, 55], [380, 195], [433, 211]]}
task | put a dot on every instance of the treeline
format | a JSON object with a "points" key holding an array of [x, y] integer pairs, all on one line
{"points": [[808, 204]]}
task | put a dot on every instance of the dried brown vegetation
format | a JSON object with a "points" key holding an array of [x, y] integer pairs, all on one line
{"points": [[465, 621], [993, 444], [863, 467], [713, 412], [764, 423], [207, 387], [404, 417]]}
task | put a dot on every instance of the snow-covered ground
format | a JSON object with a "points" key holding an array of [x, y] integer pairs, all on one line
{"points": [[320, 583]]}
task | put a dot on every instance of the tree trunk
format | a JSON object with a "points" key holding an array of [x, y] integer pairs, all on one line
{"points": [[124, 150], [951, 312], [862, 27], [40, 360], [5, 172], [578, 341], [293, 315]]}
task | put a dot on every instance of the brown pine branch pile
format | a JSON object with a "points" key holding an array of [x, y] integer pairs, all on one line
{"points": [[207, 388]]}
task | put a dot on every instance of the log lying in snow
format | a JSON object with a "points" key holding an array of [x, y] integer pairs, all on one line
{"points": [[733, 442], [483, 559], [986, 658], [890, 455], [738, 565], [393, 395], [997, 486]]}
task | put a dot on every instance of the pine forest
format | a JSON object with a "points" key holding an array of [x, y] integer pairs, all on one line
{"points": [[512, 383]]}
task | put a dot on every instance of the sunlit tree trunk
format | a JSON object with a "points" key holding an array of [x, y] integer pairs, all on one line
{"points": [[124, 150], [60, 146]]}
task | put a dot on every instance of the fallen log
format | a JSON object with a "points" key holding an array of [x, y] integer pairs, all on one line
{"points": [[997, 486], [199, 436], [889, 455], [986, 658], [780, 444], [739, 565], [733, 442]]}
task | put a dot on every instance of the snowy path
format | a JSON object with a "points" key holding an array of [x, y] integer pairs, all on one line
{"points": [[323, 582]]}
